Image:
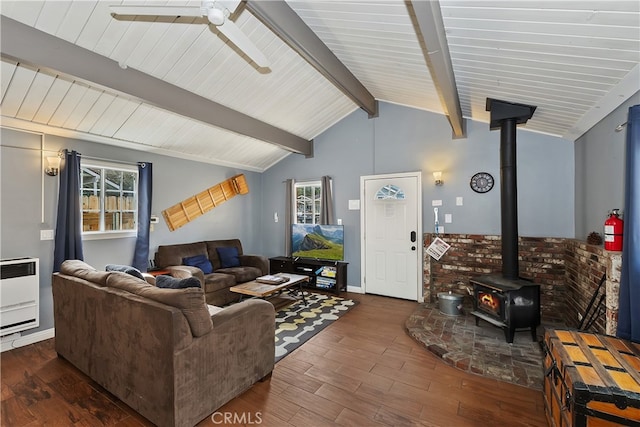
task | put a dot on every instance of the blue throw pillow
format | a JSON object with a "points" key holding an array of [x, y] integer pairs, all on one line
{"points": [[125, 269], [173, 283], [228, 256], [200, 261]]}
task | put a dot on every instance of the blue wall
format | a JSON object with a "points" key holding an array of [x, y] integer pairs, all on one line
{"points": [[402, 139], [23, 185], [599, 178]]}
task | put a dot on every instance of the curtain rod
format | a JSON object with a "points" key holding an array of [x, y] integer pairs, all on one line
{"points": [[124, 162]]}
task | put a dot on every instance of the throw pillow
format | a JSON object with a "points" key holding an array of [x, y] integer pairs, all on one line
{"points": [[228, 256], [125, 269], [163, 281], [200, 261]]}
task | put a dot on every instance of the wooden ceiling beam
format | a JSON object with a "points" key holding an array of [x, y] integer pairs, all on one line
{"points": [[284, 22], [25, 44], [427, 19]]}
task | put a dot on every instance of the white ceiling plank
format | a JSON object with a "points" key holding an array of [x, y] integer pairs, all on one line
{"points": [[620, 93], [68, 104], [534, 48], [35, 97], [119, 116], [538, 14], [50, 103], [82, 108], [584, 5], [75, 20], [557, 28], [486, 59], [17, 90], [614, 43], [576, 61], [52, 15], [96, 112], [6, 74], [23, 11], [93, 33]]}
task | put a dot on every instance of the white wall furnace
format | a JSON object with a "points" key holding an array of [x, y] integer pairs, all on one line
{"points": [[19, 295]]}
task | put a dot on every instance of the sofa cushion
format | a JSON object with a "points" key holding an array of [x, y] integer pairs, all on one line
{"points": [[125, 269], [200, 261], [229, 256], [190, 301], [163, 281], [242, 274], [82, 270], [172, 254], [216, 281], [212, 245]]}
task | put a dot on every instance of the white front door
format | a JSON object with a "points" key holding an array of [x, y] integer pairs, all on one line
{"points": [[392, 235]]}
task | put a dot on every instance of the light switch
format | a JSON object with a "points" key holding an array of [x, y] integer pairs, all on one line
{"points": [[46, 234], [339, 221], [436, 203], [447, 218], [354, 205], [275, 217], [458, 201]]}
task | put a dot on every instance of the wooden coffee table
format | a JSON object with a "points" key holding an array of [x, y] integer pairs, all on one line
{"points": [[263, 290]]}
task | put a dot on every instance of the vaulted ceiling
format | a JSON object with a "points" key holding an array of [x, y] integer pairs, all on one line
{"points": [[176, 86]]}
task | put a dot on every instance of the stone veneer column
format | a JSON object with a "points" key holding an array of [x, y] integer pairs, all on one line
{"points": [[614, 270]]}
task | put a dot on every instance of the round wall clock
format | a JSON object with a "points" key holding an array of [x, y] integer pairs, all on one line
{"points": [[481, 182]]}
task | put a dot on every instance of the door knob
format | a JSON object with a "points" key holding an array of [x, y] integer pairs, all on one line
{"points": [[413, 248]]}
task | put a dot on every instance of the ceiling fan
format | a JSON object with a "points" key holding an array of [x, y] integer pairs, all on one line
{"points": [[217, 12]]}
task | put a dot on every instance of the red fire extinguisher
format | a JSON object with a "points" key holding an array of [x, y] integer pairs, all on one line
{"points": [[613, 227]]}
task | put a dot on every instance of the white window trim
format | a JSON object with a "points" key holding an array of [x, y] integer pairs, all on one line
{"points": [[118, 234], [316, 183]]}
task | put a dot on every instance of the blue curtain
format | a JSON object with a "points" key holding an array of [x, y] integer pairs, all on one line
{"points": [[629, 314], [68, 241], [145, 190]]}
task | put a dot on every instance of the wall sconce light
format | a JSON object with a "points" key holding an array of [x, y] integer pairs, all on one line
{"points": [[53, 166], [438, 177]]}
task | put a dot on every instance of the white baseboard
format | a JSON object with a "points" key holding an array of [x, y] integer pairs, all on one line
{"points": [[11, 343], [355, 289]]}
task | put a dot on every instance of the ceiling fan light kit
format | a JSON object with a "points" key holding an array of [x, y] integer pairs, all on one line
{"points": [[216, 12]]}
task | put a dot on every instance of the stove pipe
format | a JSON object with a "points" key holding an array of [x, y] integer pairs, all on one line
{"points": [[507, 116]]}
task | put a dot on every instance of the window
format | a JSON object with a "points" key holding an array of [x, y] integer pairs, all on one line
{"points": [[308, 202], [109, 200]]}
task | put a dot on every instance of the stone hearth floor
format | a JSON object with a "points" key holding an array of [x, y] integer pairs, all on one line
{"points": [[479, 349]]}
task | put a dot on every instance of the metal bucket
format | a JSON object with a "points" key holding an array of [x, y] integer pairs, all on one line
{"points": [[450, 303]]}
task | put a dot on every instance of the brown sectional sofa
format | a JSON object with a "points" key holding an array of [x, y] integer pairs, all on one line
{"points": [[216, 284], [160, 351]]}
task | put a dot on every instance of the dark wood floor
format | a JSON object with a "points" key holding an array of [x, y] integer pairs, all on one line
{"points": [[363, 370]]}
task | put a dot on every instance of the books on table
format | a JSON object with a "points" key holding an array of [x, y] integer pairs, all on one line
{"points": [[272, 279]]}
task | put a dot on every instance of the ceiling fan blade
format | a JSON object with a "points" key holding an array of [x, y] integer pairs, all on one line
{"points": [[157, 10], [240, 39]]}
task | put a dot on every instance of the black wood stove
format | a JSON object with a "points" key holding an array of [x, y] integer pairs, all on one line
{"points": [[506, 300]]}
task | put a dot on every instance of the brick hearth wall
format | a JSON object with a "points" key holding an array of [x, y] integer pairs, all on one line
{"points": [[585, 266], [568, 271]]}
